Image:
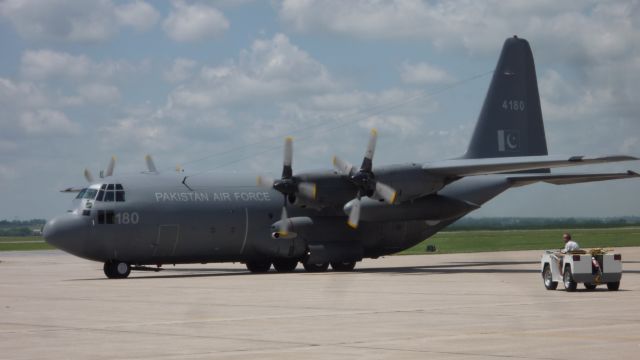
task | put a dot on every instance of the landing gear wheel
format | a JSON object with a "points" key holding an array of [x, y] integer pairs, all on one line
{"points": [[549, 284], [613, 286], [322, 267], [590, 286], [258, 266], [285, 265], [569, 283], [116, 269], [343, 265]]}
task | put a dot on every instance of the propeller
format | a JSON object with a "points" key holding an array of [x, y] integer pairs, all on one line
{"points": [[364, 180], [103, 173], [287, 185]]}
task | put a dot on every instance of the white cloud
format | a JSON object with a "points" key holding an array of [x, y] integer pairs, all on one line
{"points": [[41, 64], [423, 73], [99, 93], [181, 70], [44, 64], [26, 93], [194, 22], [47, 121], [270, 69], [75, 21], [575, 28], [138, 15]]}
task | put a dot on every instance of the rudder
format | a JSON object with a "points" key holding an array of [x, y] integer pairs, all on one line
{"points": [[510, 122]]}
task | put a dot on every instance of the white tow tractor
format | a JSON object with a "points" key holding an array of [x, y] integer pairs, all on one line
{"points": [[592, 268]]}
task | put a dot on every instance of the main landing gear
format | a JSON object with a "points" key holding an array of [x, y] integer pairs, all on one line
{"points": [[116, 269], [289, 265]]}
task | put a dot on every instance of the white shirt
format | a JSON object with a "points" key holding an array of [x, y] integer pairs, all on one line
{"points": [[570, 246]]}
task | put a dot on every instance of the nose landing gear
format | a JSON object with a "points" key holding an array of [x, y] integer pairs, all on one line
{"points": [[116, 269]]}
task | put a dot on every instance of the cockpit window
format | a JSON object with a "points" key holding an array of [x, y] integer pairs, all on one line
{"points": [[81, 194], [90, 194], [87, 194], [111, 193]]}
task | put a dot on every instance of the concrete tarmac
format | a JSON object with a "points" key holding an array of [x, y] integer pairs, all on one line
{"points": [[462, 306]]}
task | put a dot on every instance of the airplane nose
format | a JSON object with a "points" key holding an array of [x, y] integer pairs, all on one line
{"points": [[66, 232]]}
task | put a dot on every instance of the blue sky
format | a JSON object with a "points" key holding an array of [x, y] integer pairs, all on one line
{"points": [[186, 80]]}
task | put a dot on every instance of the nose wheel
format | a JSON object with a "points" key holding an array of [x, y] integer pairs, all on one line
{"points": [[116, 269]]}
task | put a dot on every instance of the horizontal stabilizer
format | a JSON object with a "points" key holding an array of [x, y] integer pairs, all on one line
{"points": [[469, 167], [565, 179]]}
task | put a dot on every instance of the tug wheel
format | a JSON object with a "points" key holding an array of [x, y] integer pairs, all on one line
{"points": [[549, 284], [613, 286], [589, 286], [568, 281]]}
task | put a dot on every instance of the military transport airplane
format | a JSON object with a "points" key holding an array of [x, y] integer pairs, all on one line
{"points": [[335, 217]]}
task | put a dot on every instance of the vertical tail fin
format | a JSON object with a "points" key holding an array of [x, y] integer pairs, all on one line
{"points": [[510, 123]]}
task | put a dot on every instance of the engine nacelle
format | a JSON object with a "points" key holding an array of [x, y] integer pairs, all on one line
{"points": [[294, 225], [431, 208]]}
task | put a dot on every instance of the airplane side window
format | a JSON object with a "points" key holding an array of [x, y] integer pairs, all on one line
{"points": [[108, 196], [106, 217], [109, 217], [100, 195], [119, 195]]}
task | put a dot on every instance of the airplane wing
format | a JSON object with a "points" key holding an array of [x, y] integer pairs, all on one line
{"points": [[565, 179], [469, 167]]}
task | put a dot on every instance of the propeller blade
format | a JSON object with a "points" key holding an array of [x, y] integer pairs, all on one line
{"points": [[367, 162], [88, 176], [354, 215], [308, 190], [386, 192], [287, 171], [343, 167], [150, 165], [111, 166], [284, 223], [264, 181]]}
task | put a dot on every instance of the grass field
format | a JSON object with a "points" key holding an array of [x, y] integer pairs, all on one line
{"points": [[511, 240], [457, 241], [8, 243]]}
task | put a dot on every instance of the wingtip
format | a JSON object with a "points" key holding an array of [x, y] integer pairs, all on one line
{"points": [[352, 225], [374, 131], [393, 197]]}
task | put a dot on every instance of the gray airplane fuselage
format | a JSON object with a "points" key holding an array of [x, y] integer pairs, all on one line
{"points": [[226, 217]]}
